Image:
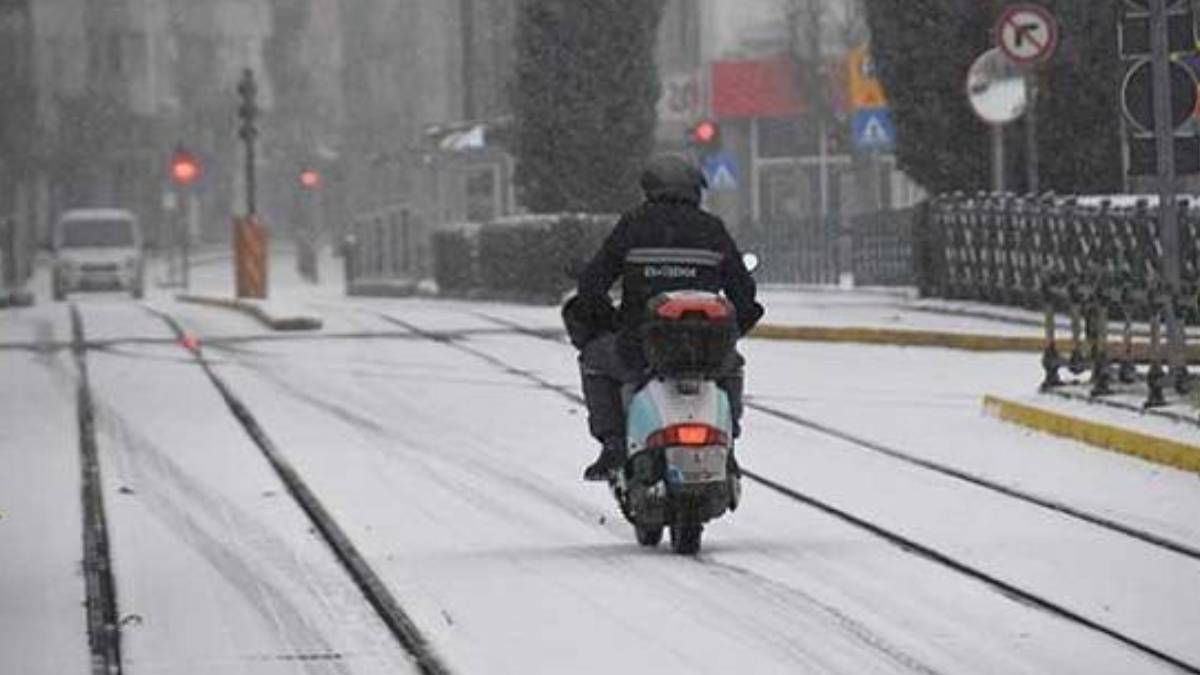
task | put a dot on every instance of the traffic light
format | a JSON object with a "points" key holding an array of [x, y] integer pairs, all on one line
{"points": [[310, 179], [705, 136], [185, 168]]}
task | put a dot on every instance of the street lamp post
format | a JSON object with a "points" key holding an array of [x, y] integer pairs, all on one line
{"points": [[250, 237]]}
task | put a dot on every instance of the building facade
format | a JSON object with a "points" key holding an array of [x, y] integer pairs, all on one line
{"points": [[117, 85]]}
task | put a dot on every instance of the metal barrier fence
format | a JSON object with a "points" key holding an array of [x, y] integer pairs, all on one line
{"points": [[384, 247], [1088, 259], [796, 252], [876, 247]]}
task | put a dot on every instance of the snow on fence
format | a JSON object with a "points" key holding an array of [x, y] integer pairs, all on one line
{"points": [[1090, 259]]}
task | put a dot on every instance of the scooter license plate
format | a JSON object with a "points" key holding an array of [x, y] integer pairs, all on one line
{"points": [[696, 465]]}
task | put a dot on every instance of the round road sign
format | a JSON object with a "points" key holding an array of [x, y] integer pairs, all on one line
{"points": [[1137, 96], [1027, 34], [996, 88]]}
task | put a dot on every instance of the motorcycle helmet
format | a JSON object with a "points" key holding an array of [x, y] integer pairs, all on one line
{"points": [[672, 177]]}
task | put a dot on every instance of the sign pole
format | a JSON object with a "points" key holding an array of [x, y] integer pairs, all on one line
{"points": [[998, 182], [1168, 224], [823, 179], [1032, 160]]}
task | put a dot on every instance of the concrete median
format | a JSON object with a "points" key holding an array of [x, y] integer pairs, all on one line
{"points": [[257, 310]]}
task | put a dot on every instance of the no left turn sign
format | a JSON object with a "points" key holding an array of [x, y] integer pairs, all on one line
{"points": [[1027, 34]]}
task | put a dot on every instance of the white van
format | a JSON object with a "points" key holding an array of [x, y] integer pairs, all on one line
{"points": [[97, 249]]}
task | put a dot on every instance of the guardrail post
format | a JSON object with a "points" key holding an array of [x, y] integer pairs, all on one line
{"points": [[1156, 374], [1180, 302]]}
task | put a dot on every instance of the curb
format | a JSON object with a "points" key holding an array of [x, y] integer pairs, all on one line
{"points": [[382, 288], [900, 337], [250, 308], [905, 337], [1106, 436]]}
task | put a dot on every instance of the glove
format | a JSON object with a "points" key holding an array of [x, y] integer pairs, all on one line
{"points": [[588, 318]]}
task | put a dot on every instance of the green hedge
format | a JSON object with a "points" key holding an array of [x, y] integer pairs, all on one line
{"points": [[454, 258], [521, 257]]}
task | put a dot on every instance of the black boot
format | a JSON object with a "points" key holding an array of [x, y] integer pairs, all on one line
{"points": [[612, 458]]}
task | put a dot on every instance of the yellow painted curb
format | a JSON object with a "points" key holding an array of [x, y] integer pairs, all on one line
{"points": [[900, 337], [287, 323], [1151, 448], [903, 337]]}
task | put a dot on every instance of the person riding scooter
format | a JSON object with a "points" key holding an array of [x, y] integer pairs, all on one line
{"points": [[667, 243]]}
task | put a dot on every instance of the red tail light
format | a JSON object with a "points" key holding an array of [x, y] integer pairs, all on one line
{"points": [[713, 309], [687, 434]]}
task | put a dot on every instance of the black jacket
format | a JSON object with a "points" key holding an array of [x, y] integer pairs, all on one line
{"points": [[668, 243]]}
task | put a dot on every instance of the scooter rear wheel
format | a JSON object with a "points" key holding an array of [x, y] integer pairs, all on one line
{"points": [[648, 535], [685, 539]]}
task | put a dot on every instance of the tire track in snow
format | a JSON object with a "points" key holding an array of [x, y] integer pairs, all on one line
{"points": [[104, 629], [910, 546], [866, 445], [854, 629], [211, 525], [798, 608], [374, 590]]}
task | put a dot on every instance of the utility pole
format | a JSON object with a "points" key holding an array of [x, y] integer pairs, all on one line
{"points": [[249, 235], [1168, 213]]}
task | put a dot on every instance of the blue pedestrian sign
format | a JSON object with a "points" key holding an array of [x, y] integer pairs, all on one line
{"points": [[872, 129], [721, 170]]}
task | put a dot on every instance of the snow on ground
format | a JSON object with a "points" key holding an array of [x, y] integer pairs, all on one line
{"points": [[927, 402], [217, 570], [941, 420], [42, 625], [460, 483], [476, 516]]}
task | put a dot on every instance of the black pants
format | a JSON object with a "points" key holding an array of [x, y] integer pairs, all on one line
{"points": [[604, 373]]}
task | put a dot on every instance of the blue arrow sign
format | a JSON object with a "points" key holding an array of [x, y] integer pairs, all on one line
{"points": [[872, 129], [721, 170]]}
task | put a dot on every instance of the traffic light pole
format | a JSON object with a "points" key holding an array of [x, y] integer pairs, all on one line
{"points": [[249, 235], [248, 111], [186, 204], [1168, 214]]}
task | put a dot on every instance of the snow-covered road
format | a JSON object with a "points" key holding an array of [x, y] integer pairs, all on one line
{"points": [[457, 478]]}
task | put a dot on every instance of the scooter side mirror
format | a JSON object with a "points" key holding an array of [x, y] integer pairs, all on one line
{"points": [[751, 261]]}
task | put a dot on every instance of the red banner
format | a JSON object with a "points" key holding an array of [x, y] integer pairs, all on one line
{"points": [[746, 89]]}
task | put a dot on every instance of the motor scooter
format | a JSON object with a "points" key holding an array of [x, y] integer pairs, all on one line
{"points": [[680, 472]]}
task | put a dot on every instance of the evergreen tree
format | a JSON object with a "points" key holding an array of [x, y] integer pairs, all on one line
{"points": [[923, 51], [584, 100]]}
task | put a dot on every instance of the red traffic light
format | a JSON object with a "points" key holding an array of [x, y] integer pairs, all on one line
{"points": [[185, 168], [310, 179], [706, 132]]}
